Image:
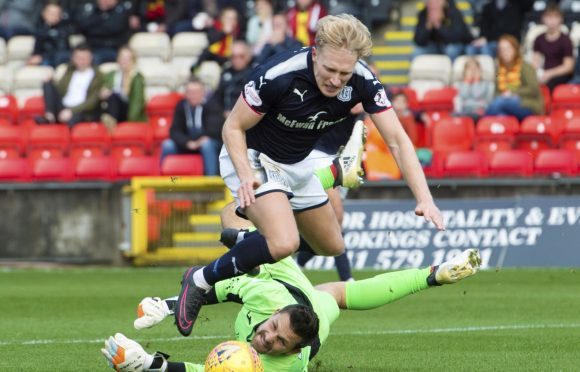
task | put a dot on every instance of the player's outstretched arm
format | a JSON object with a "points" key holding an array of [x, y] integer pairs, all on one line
{"points": [[241, 119], [402, 149], [124, 354]]}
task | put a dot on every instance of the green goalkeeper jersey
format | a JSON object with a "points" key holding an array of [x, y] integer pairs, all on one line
{"points": [[278, 285]]}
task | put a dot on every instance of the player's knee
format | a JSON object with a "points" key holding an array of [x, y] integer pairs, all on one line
{"points": [[282, 247], [335, 250]]}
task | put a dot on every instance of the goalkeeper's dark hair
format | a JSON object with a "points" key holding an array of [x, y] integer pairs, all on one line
{"points": [[304, 323]]}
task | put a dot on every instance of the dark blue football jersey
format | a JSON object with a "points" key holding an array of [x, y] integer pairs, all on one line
{"points": [[295, 112]]}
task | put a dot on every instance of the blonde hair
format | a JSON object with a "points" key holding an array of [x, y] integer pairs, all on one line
{"points": [[344, 31]]}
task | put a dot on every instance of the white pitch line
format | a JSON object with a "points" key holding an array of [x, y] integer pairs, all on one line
{"points": [[354, 333]]}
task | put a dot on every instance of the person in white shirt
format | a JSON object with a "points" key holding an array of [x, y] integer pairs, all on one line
{"points": [[74, 98]]}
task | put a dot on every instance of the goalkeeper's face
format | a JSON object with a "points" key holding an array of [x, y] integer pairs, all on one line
{"points": [[275, 336]]}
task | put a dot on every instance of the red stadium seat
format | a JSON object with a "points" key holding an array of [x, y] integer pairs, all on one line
{"points": [[12, 141], [538, 133], [52, 169], [182, 165], [563, 115], [438, 99], [453, 134], [465, 164], [495, 133], [131, 139], [33, 107], [555, 161], [14, 169], [48, 141], [88, 140], [570, 139], [163, 104], [566, 96], [161, 126], [511, 163], [94, 168], [9, 109], [137, 166]]}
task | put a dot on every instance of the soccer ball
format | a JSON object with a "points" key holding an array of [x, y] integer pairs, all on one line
{"points": [[233, 356]]}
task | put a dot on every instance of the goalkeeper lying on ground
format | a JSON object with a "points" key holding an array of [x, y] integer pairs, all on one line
{"points": [[287, 337]]}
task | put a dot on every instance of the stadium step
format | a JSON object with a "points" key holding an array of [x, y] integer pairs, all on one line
{"points": [[181, 255], [205, 222], [393, 52], [197, 239]]}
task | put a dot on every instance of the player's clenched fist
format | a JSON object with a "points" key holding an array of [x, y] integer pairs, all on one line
{"points": [[124, 354], [151, 311]]}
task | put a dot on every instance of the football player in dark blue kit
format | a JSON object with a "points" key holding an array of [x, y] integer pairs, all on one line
{"points": [[288, 103]]}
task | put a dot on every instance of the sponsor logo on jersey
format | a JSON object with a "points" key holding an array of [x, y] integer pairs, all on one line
{"points": [[315, 116], [301, 95], [252, 95], [322, 124], [262, 82], [345, 94], [381, 98]]}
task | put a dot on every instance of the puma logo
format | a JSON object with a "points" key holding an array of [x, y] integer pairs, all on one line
{"points": [[261, 82], [315, 116], [300, 94]]}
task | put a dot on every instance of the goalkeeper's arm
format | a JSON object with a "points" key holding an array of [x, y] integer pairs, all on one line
{"points": [[124, 354]]}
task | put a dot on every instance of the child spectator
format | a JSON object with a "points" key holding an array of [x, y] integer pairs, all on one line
{"points": [[221, 36], [553, 51], [517, 92], [441, 30], [473, 94], [303, 18], [406, 116], [51, 47], [75, 97], [123, 92], [260, 26]]}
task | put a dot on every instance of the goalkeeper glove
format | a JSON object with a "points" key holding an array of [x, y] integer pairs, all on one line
{"points": [[151, 311], [124, 354]]}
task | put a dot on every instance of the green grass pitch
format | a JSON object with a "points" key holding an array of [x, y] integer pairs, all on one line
{"points": [[508, 320]]}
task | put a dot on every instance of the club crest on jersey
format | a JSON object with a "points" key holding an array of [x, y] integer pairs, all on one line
{"points": [[381, 98], [252, 95], [345, 94]]}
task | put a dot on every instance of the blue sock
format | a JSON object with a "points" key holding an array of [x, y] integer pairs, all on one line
{"points": [[303, 257], [243, 257], [343, 266]]}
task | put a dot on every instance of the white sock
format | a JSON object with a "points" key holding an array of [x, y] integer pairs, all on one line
{"points": [[200, 281]]}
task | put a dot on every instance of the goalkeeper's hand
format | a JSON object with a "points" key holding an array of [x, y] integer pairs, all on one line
{"points": [[124, 354], [151, 311]]}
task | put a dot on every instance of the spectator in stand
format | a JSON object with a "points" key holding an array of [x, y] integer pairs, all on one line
{"points": [[194, 129], [106, 28], [553, 51], [303, 18], [498, 17], [74, 98], [51, 47], [517, 92], [221, 35], [441, 30], [233, 79], [473, 94], [18, 17], [123, 92], [260, 26], [170, 16], [279, 41]]}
